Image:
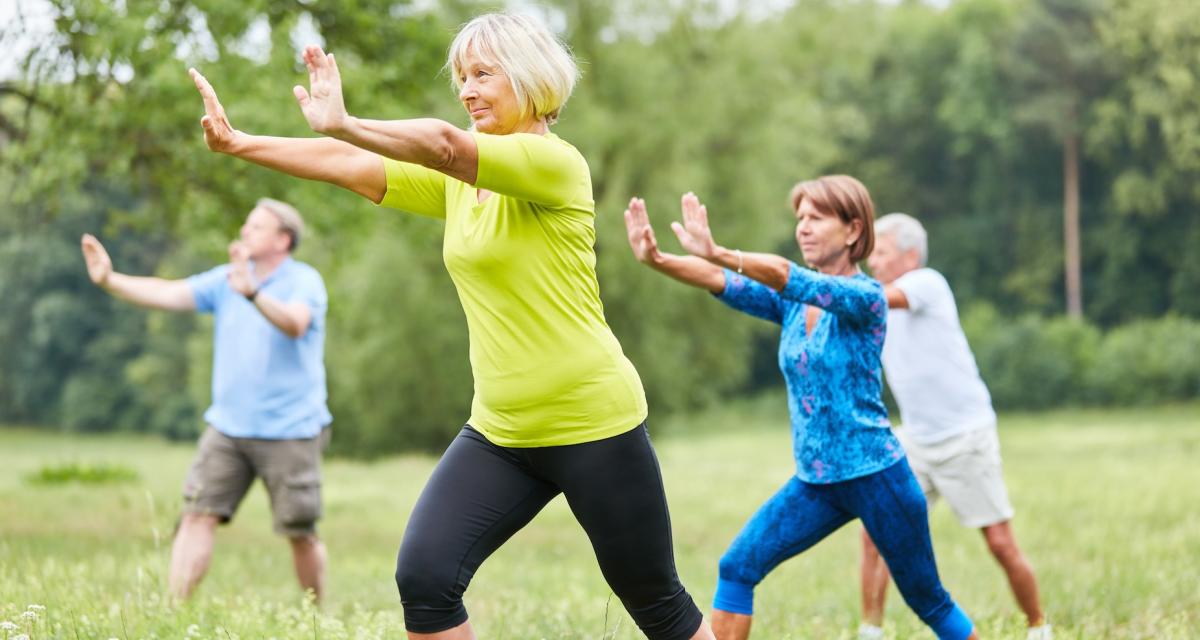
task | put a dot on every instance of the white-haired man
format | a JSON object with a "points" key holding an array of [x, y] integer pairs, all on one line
{"points": [[268, 413], [948, 424]]}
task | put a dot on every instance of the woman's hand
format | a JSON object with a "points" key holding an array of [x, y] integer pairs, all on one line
{"points": [[641, 234], [219, 135], [322, 105], [694, 234]]}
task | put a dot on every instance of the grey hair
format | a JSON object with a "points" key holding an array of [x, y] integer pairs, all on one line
{"points": [[539, 66], [907, 231], [289, 219]]}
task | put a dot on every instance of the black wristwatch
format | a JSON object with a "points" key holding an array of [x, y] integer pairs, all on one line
{"points": [[253, 294]]}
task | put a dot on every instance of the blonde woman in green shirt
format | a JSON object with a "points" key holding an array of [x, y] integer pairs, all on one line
{"points": [[558, 408]]}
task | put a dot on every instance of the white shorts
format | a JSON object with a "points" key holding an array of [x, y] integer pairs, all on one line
{"points": [[964, 469]]}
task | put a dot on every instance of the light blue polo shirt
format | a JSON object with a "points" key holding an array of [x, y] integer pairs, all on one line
{"points": [[265, 384]]}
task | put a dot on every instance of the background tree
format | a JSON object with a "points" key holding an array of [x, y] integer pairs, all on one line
{"points": [[968, 116], [1059, 68]]}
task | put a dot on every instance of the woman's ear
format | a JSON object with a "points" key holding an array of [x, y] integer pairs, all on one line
{"points": [[856, 227]]}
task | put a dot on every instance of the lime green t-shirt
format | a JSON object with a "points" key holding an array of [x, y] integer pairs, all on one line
{"points": [[548, 370]]}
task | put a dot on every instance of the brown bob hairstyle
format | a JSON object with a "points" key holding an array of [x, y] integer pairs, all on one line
{"points": [[846, 197]]}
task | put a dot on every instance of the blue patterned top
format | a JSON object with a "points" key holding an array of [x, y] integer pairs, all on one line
{"points": [[840, 428]]}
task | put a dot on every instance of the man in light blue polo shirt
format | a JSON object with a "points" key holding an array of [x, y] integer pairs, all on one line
{"points": [[268, 413]]}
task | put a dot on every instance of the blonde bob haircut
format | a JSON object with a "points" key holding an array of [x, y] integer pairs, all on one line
{"points": [[538, 65]]}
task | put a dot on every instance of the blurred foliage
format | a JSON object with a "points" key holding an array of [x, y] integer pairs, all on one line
{"points": [[956, 115], [83, 473], [1032, 362]]}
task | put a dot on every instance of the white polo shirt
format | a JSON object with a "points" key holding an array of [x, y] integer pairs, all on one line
{"points": [[929, 365]]}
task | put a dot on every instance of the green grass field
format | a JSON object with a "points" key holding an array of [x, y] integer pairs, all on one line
{"points": [[1107, 510]]}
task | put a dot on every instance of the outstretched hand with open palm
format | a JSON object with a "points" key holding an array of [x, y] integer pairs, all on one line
{"points": [[640, 233], [694, 233], [322, 103], [219, 134]]}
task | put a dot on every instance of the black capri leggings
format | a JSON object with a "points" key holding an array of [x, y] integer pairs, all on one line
{"points": [[480, 494]]}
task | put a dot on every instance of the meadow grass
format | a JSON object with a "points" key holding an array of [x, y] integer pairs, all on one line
{"points": [[1106, 510]]}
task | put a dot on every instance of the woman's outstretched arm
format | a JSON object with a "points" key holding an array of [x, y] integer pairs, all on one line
{"points": [[686, 269], [323, 159], [429, 142], [856, 299], [696, 237]]}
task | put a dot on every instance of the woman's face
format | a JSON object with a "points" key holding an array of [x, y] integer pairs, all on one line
{"points": [[488, 97], [823, 238]]}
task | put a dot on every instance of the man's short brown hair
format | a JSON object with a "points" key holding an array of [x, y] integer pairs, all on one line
{"points": [[289, 219]]}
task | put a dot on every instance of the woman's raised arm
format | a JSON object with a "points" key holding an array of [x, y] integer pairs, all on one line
{"points": [[324, 159], [429, 142], [686, 269]]}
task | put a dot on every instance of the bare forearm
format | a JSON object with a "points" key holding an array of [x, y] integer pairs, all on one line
{"points": [[153, 293], [292, 319], [895, 297], [767, 268], [324, 159], [691, 270], [429, 142]]}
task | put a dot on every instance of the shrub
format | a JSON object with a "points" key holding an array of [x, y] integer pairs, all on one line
{"points": [[1032, 362], [1148, 361]]}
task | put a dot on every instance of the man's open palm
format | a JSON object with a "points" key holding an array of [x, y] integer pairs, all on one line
{"points": [[99, 265]]}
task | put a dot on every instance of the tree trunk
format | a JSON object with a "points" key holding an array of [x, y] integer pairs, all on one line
{"points": [[1074, 278]]}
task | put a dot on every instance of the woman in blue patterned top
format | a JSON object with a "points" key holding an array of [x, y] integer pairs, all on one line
{"points": [[848, 463]]}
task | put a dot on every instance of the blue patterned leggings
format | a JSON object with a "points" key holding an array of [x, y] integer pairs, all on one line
{"points": [[893, 511]]}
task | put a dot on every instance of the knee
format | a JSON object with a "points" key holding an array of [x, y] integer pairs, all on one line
{"points": [[736, 566], [420, 580], [430, 594], [193, 523], [1002, 545], [729, 567], [305, 543], [869, 550]]}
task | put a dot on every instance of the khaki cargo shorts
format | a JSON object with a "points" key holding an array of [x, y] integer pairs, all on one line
{"points": [[965, 470], [225, 467]]}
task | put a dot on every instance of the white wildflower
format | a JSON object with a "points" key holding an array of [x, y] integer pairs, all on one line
{"points": [[5, 625]]}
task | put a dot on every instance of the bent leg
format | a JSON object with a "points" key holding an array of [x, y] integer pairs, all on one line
{"points": [[875, 577], [615, 489], [191, 553], [893, 510], [216, 482], [308, 557], [1003, 545], [794, 519], [291, 471], [478, 496]]}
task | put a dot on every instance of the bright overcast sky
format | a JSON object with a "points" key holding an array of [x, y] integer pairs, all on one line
{"points": [[18, 37]]}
